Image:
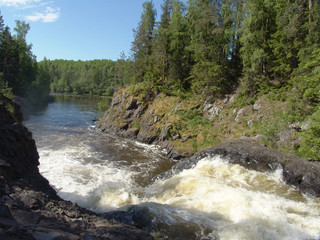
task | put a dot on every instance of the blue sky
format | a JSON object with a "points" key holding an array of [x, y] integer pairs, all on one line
{"points": [[77, 29]]}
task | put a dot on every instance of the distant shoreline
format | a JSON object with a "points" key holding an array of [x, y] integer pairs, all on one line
{"points": [[77, 95]]}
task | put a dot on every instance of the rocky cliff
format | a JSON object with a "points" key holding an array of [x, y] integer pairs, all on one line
{"points": [[149, 122], [29, 207]]}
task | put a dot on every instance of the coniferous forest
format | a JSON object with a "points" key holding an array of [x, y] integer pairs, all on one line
{"points": [[215, 47], [199, 48], [20, 74]]}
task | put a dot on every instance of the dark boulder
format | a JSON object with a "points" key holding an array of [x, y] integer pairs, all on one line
{"points": [[153, 217]]}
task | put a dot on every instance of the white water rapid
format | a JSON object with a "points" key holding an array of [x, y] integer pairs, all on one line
{"points": [[214, 200]]}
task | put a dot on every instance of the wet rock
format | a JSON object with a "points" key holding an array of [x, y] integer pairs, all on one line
{"points": [[207, 107], [165, 134], [156, 119], [132, 104], [147, 122], [152, 218], [295, 126], [177, 136]]}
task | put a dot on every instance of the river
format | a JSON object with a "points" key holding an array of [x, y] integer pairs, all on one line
{"points": [[213, 200]]}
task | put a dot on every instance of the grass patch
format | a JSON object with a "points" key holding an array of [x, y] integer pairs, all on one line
{"points": [[193, 118]]}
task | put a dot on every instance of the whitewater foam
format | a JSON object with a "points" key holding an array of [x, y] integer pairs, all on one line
{"points": [[247, 209], [213, 200]]}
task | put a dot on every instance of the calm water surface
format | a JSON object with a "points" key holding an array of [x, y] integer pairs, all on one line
{"points": [[214, 200]]}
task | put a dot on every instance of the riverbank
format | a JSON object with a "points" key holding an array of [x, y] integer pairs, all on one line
{"points": [[29, 206], [198, 186], [185, 127]]}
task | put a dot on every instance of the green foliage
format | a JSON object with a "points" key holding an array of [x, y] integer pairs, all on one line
{"points": [[271, 128], [256, 51], [288, 38], [212, 53], [142, 44], [97, 77], [19, 71], [4, 89], [194, 146], [307, 78], [310, 145], [104, 104], [193, 118]]}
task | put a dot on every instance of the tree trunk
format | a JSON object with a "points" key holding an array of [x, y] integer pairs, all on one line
{"points": [[310, 8]]}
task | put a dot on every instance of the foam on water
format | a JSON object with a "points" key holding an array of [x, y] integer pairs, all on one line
{"points": [[71, 173], [226, 201], [215, 199], [236, 203]]}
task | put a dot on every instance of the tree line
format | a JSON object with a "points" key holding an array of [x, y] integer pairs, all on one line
{"points": [[20, 74], [206, 47], [209, 48], [96, 77], [212, 47]]}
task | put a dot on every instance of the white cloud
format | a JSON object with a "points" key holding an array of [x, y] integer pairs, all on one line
{"points": [[49, 15], [17, 3], [43, 10]]}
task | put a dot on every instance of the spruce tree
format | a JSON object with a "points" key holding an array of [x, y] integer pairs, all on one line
{"points": [[256, 52], [289, 37], [179, 67], [210, 45], [142, 44], [161, 43]]}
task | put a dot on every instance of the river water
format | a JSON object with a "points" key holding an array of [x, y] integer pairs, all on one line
{"points": [[213, 200]]}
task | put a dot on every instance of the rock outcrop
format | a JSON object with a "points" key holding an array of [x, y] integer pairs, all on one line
{"points": [[158, 122], [29, 207], [148, 122]]}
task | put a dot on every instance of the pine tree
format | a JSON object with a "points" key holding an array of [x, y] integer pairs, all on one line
{"points": [[9, 60], [289, 37], [233, 15], [179, 67], [161, 43], [306, 77], [142, 44], [210, 45], [27, 71], [259, 26]]}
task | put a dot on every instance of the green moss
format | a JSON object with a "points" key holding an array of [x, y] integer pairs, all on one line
{"points": [[136, 124]]}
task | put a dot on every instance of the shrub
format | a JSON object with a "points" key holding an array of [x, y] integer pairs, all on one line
{"points": [[310, 145]]}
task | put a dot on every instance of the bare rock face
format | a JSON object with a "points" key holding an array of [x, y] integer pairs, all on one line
{"points": [[121, 118], [29, 207], [133, 118]]}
